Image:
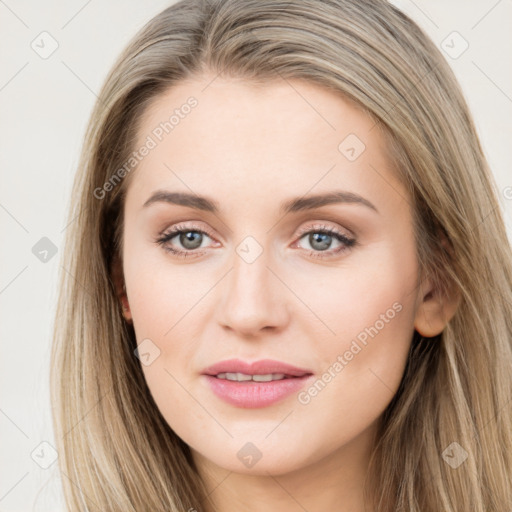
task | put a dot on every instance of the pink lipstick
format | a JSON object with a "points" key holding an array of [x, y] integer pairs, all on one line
{"points": [[252, 385]]}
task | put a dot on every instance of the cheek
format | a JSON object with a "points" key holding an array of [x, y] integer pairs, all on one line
{"points": [[371, 291], [167, 310], [369, 310], [165, 315], [361, 375], [363, 365], [166, 307], [163, 295]]}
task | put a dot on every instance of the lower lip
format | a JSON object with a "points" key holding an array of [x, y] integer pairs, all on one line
{"points": [[250, 394]]}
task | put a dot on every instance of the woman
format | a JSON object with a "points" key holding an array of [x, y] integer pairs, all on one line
{"points": [[288, 283]]}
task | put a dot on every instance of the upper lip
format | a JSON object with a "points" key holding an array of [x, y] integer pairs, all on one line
{"points": [[262, 367]]}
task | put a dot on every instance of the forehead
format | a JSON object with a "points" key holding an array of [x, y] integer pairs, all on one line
{"points": [[235, 107], [225, 136]]}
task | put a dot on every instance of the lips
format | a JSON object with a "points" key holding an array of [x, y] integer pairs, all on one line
{"points": [[262, 367], [278, 380]]}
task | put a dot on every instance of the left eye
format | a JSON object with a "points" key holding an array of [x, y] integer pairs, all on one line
{"points": [[321, 240]]}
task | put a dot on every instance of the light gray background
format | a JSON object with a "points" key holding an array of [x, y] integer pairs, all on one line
{"points": [[45, 104]]}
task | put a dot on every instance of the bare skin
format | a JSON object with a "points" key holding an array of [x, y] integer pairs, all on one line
{"points": [[250, 149]]}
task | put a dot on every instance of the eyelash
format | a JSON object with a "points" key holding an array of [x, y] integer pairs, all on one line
{"points": [[165, 237]]}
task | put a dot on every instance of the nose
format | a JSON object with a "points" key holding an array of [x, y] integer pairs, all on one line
{"points": [[253, 298]]}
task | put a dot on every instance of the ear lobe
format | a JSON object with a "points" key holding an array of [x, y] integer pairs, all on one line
{"points": [[126, 308], [120, 287], [435, 310]]}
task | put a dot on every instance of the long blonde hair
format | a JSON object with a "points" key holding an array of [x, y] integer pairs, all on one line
{"points": [[117, 452]]}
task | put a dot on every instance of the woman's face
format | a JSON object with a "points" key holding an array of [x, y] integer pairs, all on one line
{"points": [[296, 246]]}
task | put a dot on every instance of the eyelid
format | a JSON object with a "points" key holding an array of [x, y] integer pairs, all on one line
{"points": [[186, 226], [191, 226], [321, 226]]}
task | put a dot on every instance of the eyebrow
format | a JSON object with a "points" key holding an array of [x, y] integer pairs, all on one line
{"points": [[294, 205]]}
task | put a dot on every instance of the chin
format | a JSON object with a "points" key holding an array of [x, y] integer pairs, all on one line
{"points": [[258, 460]]}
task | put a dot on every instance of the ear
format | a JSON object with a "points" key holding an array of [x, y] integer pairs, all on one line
{"points": [[435, 310], [120, 288]]}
